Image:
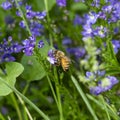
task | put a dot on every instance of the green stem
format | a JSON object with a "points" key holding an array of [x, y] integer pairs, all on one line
{"points": [[27, 111], [48, 21], [25, 89], [26, 100], [21, 13], [49, 81], [105, 107], [84, 97], [16, 106], [1, 117], [58, 94]]}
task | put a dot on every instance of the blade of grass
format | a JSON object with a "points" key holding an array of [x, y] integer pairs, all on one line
{"points": [[26, 100], [25, 108], [16, 106], [1, 117], [58, 94], [106, 110], [84, 97], [109, 109]]}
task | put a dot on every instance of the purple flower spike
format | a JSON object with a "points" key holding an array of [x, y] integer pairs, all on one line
{"points": [[104, 85]]}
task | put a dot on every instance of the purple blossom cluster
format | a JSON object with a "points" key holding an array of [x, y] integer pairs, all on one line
{"points": [[29, 45], [108, 13], [113, 9], [89, 30], [105, 84], [33, 17], [36, 28], [7, 48]]}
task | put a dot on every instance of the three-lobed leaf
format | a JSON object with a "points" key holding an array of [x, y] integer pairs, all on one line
{"points": [[13, 70], [33, 69]]}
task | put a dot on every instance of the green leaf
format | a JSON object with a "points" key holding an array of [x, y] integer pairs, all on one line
{"points": [[111, 50], [33, 69], [79, 7], [109, 55], [13, 70], [41, 5]]}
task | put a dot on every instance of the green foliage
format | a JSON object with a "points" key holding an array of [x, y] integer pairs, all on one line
{"points": [[13, 70], [58, 94], [110, 61]]}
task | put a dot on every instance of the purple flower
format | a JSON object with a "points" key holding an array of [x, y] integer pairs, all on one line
{"points": [[7, 48], [22, 24], [61, 3], [40, 15], [91, 18], [40, 44], [4, 110], [78, 52], [96, 90], [102, 15], [7, 58], [100, 73], [51, 57], [6, 5], [66, 41], [18, 13], [87, 30], [16, 48], [29, 45], [30, 14], [89, 74], [100, 31], [36, 28], [78, 20], [113, 80], [107, 9], [116, 45], [9, 20], [28, 7]]}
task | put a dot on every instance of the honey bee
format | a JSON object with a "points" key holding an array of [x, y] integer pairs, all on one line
{"points": [[62, 60]]}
